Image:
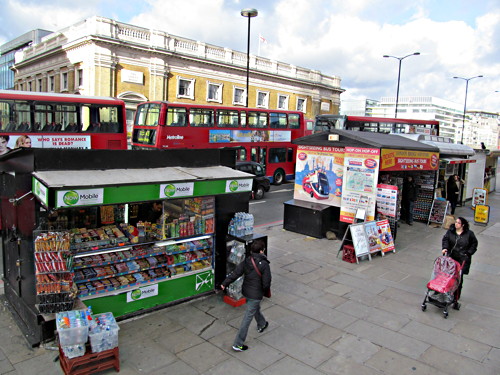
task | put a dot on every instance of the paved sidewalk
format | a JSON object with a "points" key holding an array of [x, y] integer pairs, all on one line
{"points": [[326, 317]]}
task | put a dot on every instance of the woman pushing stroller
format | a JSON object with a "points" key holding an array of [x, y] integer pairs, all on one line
{"points": [[460, 243]]}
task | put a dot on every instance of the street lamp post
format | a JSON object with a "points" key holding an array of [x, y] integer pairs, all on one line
{"points": [[465, 102], [399, 77], [249, 13]]}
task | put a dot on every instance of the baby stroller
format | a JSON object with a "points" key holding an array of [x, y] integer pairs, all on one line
{"points": [[444, 282]]}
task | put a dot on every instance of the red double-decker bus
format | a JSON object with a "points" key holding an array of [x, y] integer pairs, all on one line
{"points": [[261, 135], [48, 120], [376, 124]]}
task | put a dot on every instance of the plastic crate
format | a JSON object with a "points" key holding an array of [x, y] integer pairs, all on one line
{"points": [[90, 363], [234, 302], [348, 254]]}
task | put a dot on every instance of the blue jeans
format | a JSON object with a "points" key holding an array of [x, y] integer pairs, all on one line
{"points": [[253, 310]]}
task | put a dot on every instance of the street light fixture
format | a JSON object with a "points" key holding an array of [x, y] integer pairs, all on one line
{"points": [[399, 76], [249, 13], [465, 102]]}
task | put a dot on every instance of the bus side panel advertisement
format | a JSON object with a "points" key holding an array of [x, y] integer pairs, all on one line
{"points": [[248, 136], [359, 188], [55, 141], [319, 174]]}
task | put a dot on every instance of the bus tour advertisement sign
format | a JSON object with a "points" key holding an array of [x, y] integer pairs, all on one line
{"points": [[319, 174], [361, 166], [408, 160]]}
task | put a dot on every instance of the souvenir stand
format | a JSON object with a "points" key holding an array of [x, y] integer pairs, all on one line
{"points": [[341, 167], [122, 231]]}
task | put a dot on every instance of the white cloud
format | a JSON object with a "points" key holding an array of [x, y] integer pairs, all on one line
{"points": [[341, 38]]}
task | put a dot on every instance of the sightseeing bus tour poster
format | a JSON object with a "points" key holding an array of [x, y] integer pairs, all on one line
{"points": [[361, 166], [319, 174]]}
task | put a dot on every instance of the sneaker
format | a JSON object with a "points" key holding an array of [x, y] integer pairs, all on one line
{"points": [[240, 348], [456, 306], [262, 329]]}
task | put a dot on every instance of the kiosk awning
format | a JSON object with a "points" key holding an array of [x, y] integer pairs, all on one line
{"points": [[113, 186], [458, 160]]}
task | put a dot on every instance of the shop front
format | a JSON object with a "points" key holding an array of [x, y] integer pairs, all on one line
{"points": [[122, 240], [353, 172]]}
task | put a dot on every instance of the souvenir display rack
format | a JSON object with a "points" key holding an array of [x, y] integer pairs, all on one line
{"points": [[423, 204]]}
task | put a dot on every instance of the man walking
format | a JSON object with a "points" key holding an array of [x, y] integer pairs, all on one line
{"points": [[410, 192], [253, 288]]}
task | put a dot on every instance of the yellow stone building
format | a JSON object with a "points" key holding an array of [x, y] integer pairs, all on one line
{"points": [[103, 57]]}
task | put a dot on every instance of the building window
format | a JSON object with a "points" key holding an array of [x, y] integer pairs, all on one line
{"points": [[239, 96], [51, 84], [283, 102], [301, 105], [79, 78], [262, 99], [64, 81], [40, 84], [214, 92], [30, 86], [185, 88]]}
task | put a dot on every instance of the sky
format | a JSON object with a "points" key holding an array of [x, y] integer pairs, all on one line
{"points": [[339, 38]]}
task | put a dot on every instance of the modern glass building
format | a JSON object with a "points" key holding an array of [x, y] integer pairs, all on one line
{"points": [[8, 51]]}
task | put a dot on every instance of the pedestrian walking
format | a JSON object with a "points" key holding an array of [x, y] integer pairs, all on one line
{"points": [[410, 192], [453, 191], [460, 243], [257, 279]]}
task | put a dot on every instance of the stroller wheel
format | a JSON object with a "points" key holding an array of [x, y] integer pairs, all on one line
{"points": [[424, 307], [445, 314]]}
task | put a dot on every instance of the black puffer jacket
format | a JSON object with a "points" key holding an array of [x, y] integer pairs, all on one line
{"points": [[253, 284], [461, 248]]}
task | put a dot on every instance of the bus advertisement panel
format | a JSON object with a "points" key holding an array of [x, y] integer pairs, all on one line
{"points": [[48, 120], [260, 135]]}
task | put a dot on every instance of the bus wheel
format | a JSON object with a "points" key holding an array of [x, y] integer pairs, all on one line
{"points": [[279, 177], [259, 193]]}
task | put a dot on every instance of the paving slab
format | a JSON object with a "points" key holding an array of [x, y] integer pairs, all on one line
{"points": [[145, 356], [360, 350], [486, 335], [178, 367], [456, 364], [390, 363], [322, 313], [231, 366], [291, 366], [203, 357], [446, 340], [297, 347], [325, 335], [389, 339], [341, 364], [394, 321], [178, 341], [259, 355]]}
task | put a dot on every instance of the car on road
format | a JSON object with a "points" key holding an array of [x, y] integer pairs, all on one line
{"points": [[261, 183]]}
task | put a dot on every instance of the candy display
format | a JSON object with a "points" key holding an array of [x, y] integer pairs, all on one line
{"points": [[85, 261], [53, 264]]}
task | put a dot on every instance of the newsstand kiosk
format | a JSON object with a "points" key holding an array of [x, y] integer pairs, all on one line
{"points": [[122, 231]]}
